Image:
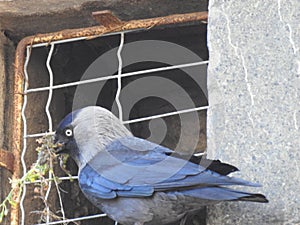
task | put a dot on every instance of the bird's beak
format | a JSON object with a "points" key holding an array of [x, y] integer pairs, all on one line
{"points": [[59, 145]]}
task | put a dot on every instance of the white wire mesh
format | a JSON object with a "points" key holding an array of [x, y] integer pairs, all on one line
{"points": [[50, 127], [119, 86], [52, 87], [24, 167]]}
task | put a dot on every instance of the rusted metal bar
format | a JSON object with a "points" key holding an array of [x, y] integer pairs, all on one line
{"points": [[17, 127], [113, 27], [107, 18], [159, 21], [110, 23], [7, 159]]}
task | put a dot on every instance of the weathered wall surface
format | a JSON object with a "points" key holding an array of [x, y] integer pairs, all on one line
{"points": [[19, 18], [254, 93], [6, 67]]}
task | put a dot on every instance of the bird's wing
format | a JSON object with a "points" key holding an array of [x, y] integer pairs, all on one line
{"points": [[136, 167], [96, 186]]}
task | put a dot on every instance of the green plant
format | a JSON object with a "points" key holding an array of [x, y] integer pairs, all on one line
{"points": [[41, 173]]}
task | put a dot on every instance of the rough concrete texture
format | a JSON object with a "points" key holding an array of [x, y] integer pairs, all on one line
{"points": [[20, 18], [2, 85], [254, 93], [6, 67]]}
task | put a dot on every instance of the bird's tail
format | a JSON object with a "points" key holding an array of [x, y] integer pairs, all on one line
{"points": [[253, 198], [218, 193]]}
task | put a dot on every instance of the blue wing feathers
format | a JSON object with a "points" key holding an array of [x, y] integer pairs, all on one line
{"points": [[138, 191], [138, 180], [93, 183]]}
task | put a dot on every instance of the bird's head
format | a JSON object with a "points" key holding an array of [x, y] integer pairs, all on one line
{"points": [[85, 132]]}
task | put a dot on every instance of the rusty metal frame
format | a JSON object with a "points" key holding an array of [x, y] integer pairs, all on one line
{"points": [[109, 23], [7, 160]]}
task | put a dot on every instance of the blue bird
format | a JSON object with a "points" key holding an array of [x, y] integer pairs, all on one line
{"points": [[137, 182]]}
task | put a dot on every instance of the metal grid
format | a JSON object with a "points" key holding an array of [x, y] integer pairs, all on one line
{"points": [[26, 91]]}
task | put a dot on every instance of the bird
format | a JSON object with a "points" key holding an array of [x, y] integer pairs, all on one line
{"points": [[138, 182]]}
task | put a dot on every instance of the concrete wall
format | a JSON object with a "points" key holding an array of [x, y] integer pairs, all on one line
{"points": [[6, 69], [254, 93], [20, 18]]}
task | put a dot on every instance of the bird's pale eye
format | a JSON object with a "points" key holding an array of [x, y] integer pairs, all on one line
{"points": [[68, 132]]}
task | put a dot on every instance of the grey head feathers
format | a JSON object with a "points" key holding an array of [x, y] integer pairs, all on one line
{"points": [[93, 128]]}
